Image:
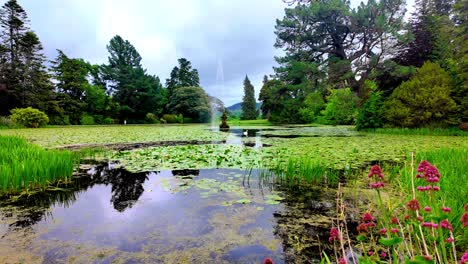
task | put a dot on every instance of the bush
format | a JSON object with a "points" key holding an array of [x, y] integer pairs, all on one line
{"points": [[151, 118], [108, 121], [87, 120], [313, 104], [6, 122], [371, 113], [98, 119], [423, 100], [29, 117], [341, 108], [172, 119]]}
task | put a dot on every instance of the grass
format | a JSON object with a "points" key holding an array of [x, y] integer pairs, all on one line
{"points": [[26, 167], [452, 131], [237, 122], [453, 167]]}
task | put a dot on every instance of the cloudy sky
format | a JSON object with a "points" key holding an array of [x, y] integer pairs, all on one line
{"points": [[224, 39]]}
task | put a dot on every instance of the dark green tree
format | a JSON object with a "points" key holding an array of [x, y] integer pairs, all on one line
{"points": [[371, 113], [346, 43], [249, 105], [132, 88], [424, 100], [191, 102], [182, 76]]}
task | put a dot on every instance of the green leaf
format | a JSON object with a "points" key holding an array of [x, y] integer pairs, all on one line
{"points": [[388, 242]]}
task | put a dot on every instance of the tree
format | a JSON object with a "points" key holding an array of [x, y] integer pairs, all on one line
{"points": [[137, 92], [423, 100], [191, 102], [23, 77], [249, 105], [371, 113], [347, 43], [182, 76]]}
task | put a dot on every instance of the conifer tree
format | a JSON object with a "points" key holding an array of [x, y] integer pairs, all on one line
{"points": [[249, 105]]}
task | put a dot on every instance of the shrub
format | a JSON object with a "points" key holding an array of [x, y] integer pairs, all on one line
{"points": [[87, 120], [423, 100], [6, 122], [108, 121], [29, 117], [371, 113], [172, 119], [341, 108], [151, 118], [313, 104], [98, 119]]}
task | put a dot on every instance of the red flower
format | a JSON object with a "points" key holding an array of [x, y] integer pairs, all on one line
{"points": [[395, 220], [268, 261], [445, 224], [466, 207], [427, 209], [394, 230], [342, 261], [383, 255], [376, 170], [429, 224], [377, 185], [413, 205], [464, 258], [362, 228], [450, 240], [383, 231], [334, 235], [367, 217], [464, 219], [446, 209]]}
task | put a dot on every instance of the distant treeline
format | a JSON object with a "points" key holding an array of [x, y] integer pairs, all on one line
{"points": [[74, 91]]}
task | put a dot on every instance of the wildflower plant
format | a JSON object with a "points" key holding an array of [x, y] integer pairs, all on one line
{"points": [[418, 231]]}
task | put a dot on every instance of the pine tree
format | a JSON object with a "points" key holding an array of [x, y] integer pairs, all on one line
{"points": [[249, 105], [181, 76]]}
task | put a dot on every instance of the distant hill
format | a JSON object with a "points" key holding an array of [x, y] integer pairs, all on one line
{"points": [[237, 107]]}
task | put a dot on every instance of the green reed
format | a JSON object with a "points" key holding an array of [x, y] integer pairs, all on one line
{"points": [[452, 131], [25, 166]]}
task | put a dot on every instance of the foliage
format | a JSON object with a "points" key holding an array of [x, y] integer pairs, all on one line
{"points": [[135, 91], [313, 105], [173, 119], [87, 120], [27, 167], [23, 75], [371, 113], [152, 118], [6, 122], [108, 121], [341, 108], [249, 105], [191, 102], [337, 37], [421, 101], [182, 76], [29, 117]]}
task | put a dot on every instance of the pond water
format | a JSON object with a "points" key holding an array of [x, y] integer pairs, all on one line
{"points": [[190, 216]]}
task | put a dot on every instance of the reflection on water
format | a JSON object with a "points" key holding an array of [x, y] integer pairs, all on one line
{"points": [[186, 216]]}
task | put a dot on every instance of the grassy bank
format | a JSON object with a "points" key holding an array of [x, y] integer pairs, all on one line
{"points": [[453, 131], [25, 167]]}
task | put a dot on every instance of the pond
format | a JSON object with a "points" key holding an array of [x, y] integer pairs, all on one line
{"points": [[110, 215]]}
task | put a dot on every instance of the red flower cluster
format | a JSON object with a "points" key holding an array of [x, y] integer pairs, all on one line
{"points": [[445, 224], [368, 221], [464, 258], [429, 172], [342, 261], [376, 172], [429, 224], [446, 209], [464, 218], [334, 235], [413, 205]]}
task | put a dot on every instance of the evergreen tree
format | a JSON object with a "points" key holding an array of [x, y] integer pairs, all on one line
{"points": [[182, 76], [23, 75], [249, 105], [137, 92]]}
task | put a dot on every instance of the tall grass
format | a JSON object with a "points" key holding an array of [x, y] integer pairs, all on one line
{"points": [[453, 131], [24, 166], [302, 170], [453, 167]]}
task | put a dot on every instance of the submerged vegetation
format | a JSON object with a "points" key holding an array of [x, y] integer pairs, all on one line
{"points": [[24, 166]]}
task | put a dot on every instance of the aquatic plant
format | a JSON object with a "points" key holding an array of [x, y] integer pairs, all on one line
{"points": [[25, 167]]}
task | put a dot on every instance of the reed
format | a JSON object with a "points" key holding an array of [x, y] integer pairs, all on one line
{"points": [[452, 131], [25, 167]]}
